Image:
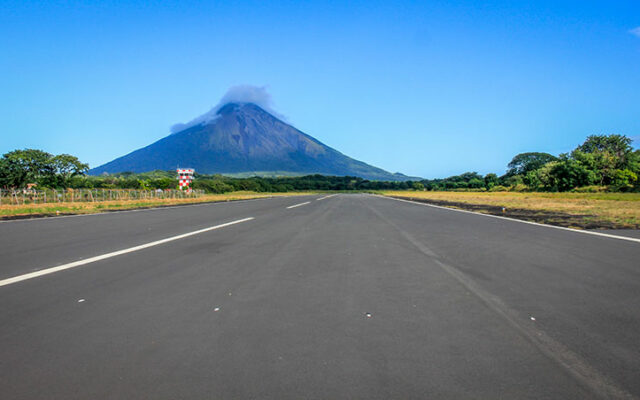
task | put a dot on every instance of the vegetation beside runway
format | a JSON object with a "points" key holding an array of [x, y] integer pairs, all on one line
{"points": [[594, 186], [603, 163], [73, 208], [575, 210]]}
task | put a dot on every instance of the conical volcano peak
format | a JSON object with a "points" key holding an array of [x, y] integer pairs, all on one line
{"points": [[247, 107], [242, 135], [228, 108], [236, 97]]}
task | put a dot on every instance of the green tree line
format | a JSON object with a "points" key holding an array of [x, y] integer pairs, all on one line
{"points": [[602, 162], [19, 168]]}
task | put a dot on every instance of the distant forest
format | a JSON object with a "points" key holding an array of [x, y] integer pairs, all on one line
{"points": [[601, 163]]}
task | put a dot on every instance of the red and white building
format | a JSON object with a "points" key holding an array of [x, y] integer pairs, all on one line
{"points": [[185, 177]]}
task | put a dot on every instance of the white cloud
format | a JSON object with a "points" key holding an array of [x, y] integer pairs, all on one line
{"points": [[240, 94], [635, 31]]}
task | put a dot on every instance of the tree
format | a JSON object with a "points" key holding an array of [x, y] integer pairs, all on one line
{"points": [[475, 183], [569, 174], [525, 162], [606, 155], [66, 167], [20, 167], [542, 177], [619, 146], [5, 173], [490, 180]]}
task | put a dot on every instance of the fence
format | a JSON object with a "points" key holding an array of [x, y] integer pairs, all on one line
{"points": [[30, 196]]}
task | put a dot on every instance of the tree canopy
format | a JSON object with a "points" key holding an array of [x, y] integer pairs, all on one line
{"points": [[606, 162], [525, 162], [21, 167]]}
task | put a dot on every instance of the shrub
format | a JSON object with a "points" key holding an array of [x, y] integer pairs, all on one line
{"points": [[590, 189], [520, 187]]}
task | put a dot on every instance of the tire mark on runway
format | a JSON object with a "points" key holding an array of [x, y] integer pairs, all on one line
{"points": [[571, 362]]}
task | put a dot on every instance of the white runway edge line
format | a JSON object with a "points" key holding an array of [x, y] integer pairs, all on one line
{"points": [[51, 270], [325, 197], [517, 220], [298, 205]]}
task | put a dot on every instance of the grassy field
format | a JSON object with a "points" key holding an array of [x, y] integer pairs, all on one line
{"points": [[576, 210], [68, 208]]}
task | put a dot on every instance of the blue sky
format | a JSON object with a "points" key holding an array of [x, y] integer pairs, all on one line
{"points": [[427, 88]]}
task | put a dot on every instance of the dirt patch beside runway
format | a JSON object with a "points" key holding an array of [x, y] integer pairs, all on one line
{"points": [[579, 221]]}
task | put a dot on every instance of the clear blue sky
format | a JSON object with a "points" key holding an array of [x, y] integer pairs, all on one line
{"points": [[427, 88]]}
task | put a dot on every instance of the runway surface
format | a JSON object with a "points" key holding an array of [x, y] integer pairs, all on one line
{"points": [[315, 297]]}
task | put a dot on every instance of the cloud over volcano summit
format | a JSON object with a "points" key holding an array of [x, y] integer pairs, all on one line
{"points": [[240, 94]]}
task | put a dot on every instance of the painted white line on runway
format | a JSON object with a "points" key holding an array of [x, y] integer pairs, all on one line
{"points": [[74, 264], [298, 205], [630, 239], [325, 197]]}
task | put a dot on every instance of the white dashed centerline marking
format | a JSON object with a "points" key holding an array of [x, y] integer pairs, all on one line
{"points": [[90, 260], [325, 197], [298, 205]]}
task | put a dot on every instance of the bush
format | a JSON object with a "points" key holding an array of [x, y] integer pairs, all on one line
{"points": [[212, 186], [520, 187], [591, 189], [624, 179], [570, 174]]}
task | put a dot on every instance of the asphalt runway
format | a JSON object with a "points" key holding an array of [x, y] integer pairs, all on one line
{"points": [[315, 297]]}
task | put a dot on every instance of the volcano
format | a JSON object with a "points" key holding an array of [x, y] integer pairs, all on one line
{"points": [[243, 138]]}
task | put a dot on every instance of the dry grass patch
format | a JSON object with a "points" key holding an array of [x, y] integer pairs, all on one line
{"points": [[67, 208], [579, 210]]}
